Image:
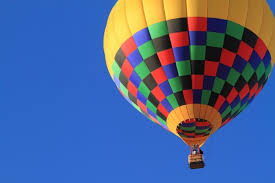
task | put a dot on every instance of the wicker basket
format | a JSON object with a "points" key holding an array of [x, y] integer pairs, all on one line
{"points": [[196, 161]]}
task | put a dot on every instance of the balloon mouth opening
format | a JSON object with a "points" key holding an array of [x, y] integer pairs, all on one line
{"points": [[194, 128]]}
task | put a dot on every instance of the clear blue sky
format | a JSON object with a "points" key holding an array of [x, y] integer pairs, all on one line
{"points": [[63, 120]]}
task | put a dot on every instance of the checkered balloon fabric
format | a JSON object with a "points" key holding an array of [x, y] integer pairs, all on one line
{"points": [[192, 61]]}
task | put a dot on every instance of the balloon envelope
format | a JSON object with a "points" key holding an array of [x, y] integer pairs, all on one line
{"points": [[190, 66]]}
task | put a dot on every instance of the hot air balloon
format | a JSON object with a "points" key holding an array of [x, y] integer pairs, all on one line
{"points": [[190, 66]]}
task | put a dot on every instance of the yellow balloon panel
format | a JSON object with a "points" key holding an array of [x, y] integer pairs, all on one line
{"points": [[271, 46], [196, 8], [121, 29], [175, 9], [154, 11], [190, 110], [267, 25], [197, 110], [203, 111], [184, 112], [210, 112], [238, 11], [135, 15], [110, 43], [218, 9], [255, 15]]}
